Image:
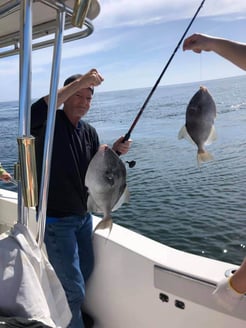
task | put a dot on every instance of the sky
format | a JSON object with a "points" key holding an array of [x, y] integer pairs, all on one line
{"points": [[133, 41]]}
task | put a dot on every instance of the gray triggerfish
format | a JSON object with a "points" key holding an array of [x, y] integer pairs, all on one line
{"points": [[106, 182], [199, 125]]}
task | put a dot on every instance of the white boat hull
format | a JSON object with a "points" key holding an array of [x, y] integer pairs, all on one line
{"points": [[138, 282]]}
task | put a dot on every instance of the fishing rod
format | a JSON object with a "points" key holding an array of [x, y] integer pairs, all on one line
{"points": [[128, 134]]}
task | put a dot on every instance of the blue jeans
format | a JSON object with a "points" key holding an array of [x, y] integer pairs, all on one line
{"points": [[68, 242]]}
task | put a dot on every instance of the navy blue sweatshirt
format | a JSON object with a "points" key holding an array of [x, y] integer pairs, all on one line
{"points": [[73, 149]]}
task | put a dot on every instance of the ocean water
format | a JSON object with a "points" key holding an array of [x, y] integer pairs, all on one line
{"points": [[201, 210]]}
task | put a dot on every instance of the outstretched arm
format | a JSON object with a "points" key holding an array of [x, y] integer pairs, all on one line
{"points": [[92, 78], [233, 51]]}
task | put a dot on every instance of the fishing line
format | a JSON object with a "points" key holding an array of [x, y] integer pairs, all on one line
{"points": [[201, 66], [128, 134]]}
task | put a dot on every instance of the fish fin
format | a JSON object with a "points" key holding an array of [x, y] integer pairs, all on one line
{"points": [[212, 136], [183, 134], [204, 156], [124, 198], [127, 195], [92, 205], [104, 224]]}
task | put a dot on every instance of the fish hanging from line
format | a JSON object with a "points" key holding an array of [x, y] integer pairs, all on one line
{"points": [[106, 182], [199, 126]]}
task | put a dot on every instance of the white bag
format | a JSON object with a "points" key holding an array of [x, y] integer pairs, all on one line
{"points": [[29, 287]]}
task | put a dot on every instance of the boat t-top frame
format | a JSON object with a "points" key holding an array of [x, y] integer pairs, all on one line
{"points": [[26, 25]]}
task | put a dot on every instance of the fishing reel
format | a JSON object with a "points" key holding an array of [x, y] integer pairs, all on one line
{"points": [[131, 164]]}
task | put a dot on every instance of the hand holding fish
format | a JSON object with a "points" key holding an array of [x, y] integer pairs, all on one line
{"points": [[233, 51], [120, 146], [198, 43]]}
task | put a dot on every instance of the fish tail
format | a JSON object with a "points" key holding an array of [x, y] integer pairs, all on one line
{"points": [[204, 156], [104, 224]]}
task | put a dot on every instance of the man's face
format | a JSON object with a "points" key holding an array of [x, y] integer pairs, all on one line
{"points": [[78, 104]]}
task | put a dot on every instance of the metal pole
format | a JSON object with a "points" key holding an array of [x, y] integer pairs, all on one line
{"points": [[25, 86], [50, 127]]}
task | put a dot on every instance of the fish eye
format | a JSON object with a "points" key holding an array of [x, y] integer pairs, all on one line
{"points": [[109, 177]]}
